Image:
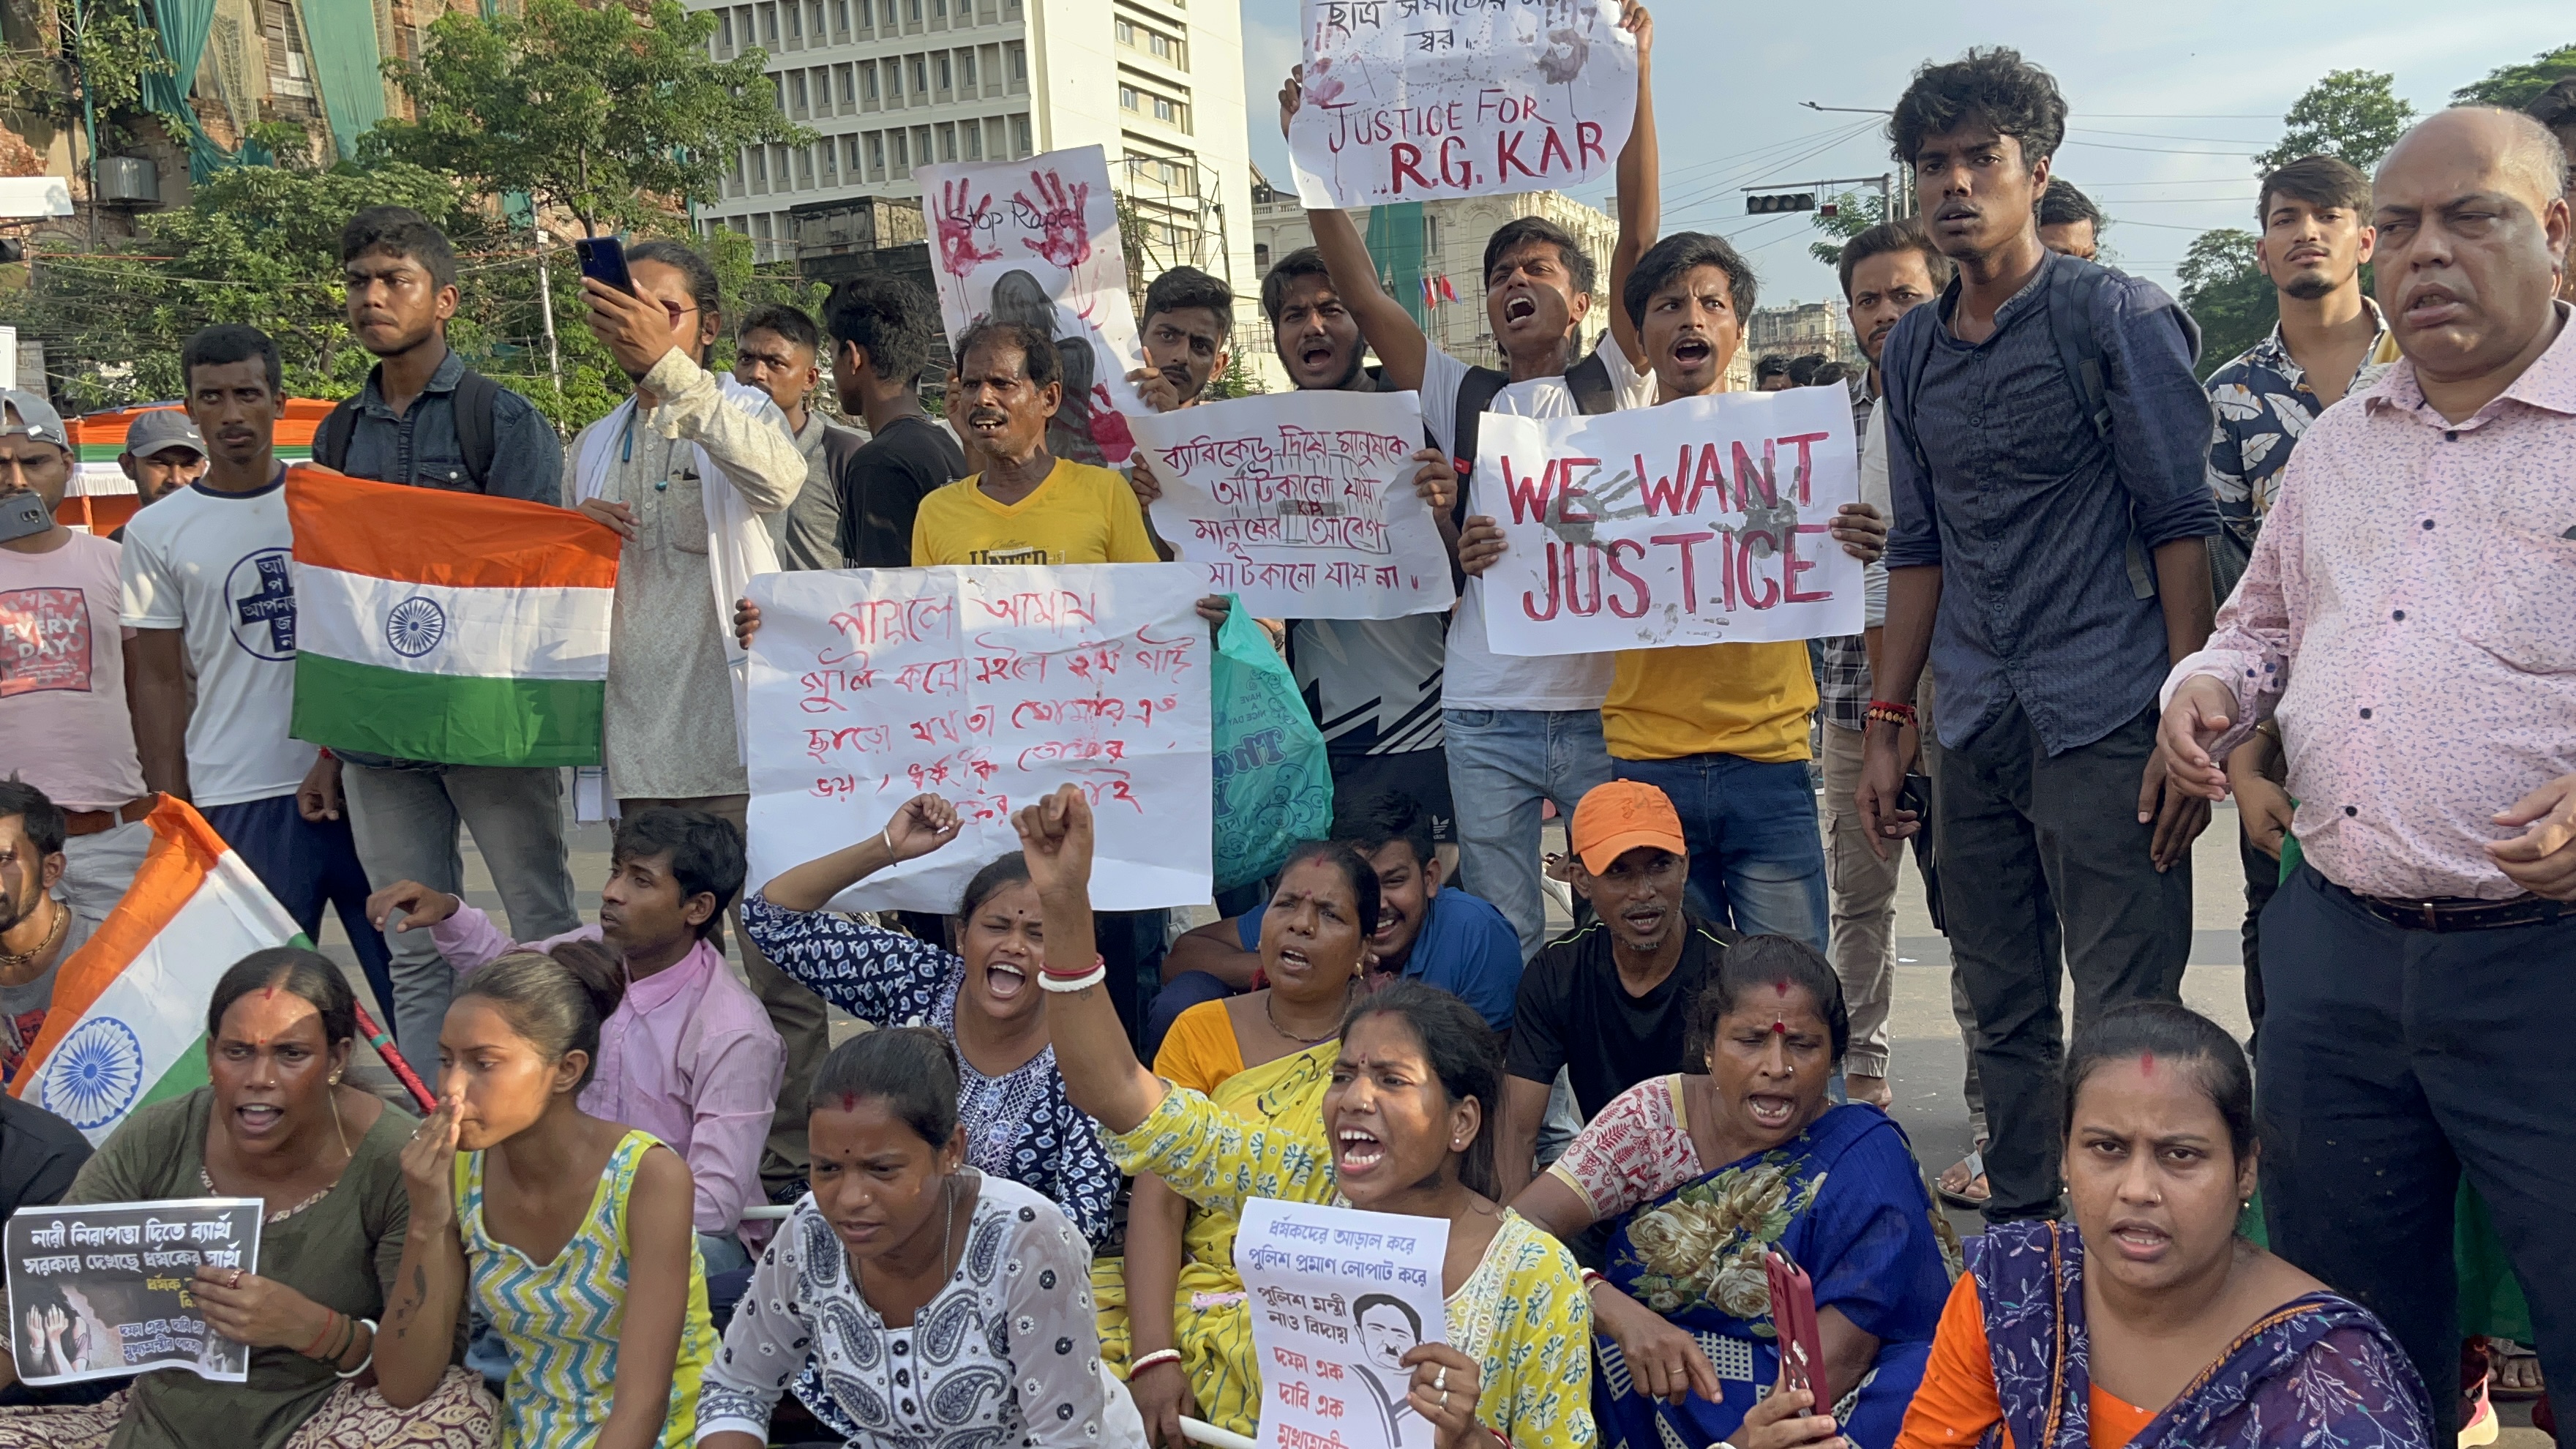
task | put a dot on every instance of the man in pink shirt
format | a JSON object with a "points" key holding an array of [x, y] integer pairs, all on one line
{"points": [[2409, 619], [689, 1055]]}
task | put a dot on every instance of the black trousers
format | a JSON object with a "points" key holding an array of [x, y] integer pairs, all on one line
{"points": [[2391, 1061], [2042, 860], [2262, 879]]}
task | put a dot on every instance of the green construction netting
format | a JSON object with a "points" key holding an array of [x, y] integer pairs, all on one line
{"points": [[346, 66], [182, 26], [1395, 240]]}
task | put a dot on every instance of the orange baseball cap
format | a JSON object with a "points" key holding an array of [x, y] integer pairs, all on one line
{"points": [[1616, 818]]}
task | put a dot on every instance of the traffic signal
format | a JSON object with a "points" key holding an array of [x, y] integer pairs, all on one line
{"points": [[1783, 201]]}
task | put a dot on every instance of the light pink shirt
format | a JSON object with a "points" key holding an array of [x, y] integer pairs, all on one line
{"points": [[2410, 618], [688, 1056], [63, 722]]}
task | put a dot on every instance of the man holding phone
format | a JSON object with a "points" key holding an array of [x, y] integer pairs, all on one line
{"points": [[64, 726]]}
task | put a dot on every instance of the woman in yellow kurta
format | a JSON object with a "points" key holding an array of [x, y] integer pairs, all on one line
{"points": [[1408, 1116], [1265, 1056]]}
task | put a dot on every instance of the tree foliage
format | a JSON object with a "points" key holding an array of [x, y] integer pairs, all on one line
{"points": [[2227, 295], [2353, 114], [107, 45], [613, 121], [2514, 86], [1853, 214]]}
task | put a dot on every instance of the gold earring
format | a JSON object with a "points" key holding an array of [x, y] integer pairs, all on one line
{"points": [[335, 1079]]}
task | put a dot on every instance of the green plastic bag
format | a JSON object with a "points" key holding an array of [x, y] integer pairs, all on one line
{"points": [[1273, 784]]}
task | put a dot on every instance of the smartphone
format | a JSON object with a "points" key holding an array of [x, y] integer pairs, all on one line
{"points": [[22, 515], [1793, 1313], [603, 260]]}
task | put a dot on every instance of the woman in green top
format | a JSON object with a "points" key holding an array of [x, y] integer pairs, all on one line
{"points": [[571, 1233], [276, 1122]]}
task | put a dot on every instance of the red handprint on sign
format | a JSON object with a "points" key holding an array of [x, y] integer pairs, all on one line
{"points": [[1067, 237], [958, 222]]}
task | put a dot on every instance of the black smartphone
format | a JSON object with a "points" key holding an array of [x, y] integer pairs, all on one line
{"points": [[603, 260], [22, 515]]}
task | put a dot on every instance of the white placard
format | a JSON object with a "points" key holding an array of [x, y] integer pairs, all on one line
{"points": [[1337, 1297], [1302, 503], [991, 686], [1415, 100], [1702, 521], [1037, 241]]}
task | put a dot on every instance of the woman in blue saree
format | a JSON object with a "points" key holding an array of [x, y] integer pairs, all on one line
{"points": [[2148, 1322], [1703, 1174]]}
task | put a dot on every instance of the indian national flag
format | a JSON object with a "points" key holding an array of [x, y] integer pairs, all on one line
{"points": [[128, 1023], [448, 626]]}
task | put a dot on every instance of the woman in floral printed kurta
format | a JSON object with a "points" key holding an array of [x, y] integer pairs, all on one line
{"points": [[1408, 1118], [1705, 1174]]}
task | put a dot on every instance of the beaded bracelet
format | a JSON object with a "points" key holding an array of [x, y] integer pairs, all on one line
{"points": [[1884, 711]]}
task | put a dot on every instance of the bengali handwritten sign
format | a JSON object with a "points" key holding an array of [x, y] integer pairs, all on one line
{"points": [[1414, 100], [104, 1290], [992, 686], [1338, 1296], [1036, 241], [1302, 503], [1703, 521]]}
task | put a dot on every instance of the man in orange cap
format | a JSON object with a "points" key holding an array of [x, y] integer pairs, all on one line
{"points": [[1608, 1003]]}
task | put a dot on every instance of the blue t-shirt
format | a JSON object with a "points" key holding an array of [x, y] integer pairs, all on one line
{"points": [[1465, 948]]}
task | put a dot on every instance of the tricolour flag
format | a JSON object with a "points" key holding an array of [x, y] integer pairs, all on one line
{"points": [[127, 1027], [448, 626]]}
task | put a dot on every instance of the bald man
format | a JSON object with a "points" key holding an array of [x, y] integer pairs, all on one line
{"points": [[2409, 619]]}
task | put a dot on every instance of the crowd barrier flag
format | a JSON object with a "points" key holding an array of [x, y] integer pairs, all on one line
{"points": [[128, 1023], [448, 627]]}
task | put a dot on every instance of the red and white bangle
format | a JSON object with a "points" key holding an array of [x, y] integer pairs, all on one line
{"points": [[1590, 1277], [1051, 979], [1156, 1359]]}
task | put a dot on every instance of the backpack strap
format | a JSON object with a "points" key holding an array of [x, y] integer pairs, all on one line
{"points": [[1476, 392], [2074, 286], [476, 429], [1589, 381], [331, 440]]}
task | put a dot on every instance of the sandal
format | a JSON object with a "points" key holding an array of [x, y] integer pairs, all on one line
{"points": [[1969, 1173], [2516, 1374], [2478, 1426]]}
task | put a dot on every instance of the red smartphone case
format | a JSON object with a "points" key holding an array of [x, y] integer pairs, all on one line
{"points": [[1793, 1314]]}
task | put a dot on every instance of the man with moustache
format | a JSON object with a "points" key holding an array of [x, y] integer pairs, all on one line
{"points": [[1189, 316], [2409, 620], [2051, 559], [2331, 342], [162, 454], [775, 350], [2069, 223], [882, 328], [411, 425]]}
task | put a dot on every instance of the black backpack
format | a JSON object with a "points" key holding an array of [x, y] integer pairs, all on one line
{"points": [[1588, 380], [2073, 286], [475, 397]]}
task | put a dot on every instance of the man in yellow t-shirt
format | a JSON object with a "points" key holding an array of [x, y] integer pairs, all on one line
{"points": [[1027, 506]]}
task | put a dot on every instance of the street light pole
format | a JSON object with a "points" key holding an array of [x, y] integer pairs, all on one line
{"points": [[546, 300]]}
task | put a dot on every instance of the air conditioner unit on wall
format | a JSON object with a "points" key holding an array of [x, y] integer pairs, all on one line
{"points": [[128, 181]]}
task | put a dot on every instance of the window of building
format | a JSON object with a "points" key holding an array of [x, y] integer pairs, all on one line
{"points": [[733, 176], [894, 80], [939, 9], [814, 18], [760, 168], [966, 69], [796, 89], [947, 74], [885, 9], [850, 155], [902, 155], [831, 158], [1127, 97], [876, 156], [1126, 31], [912, 11], [1159, 44], [948, 141], [1020, 145], [841, 16], [849, 85], [1019, 61], [724, 33], [974, 138], [760, 226], [804, 167], [769, 22], [795, 21], [1261, 256], [1163, 109], [921, 145], [868, 81]]}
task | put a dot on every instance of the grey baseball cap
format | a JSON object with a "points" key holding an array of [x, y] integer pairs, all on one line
{"points": [[160, 430], [30, 414]]}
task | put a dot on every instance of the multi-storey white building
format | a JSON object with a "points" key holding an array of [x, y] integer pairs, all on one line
{"points": [[891, 85]]}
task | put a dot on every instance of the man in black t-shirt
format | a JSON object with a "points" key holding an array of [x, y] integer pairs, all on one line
{"points": [[1609, 1002], [881, 331]]}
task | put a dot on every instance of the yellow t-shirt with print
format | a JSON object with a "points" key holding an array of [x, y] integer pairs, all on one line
{"points": [[1749, 700], [1079, 515]]}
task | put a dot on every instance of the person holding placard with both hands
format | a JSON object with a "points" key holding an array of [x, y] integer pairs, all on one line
{"points": [[1409, 1118]]}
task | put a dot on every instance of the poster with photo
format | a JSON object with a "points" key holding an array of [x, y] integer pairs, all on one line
{"points": [[102, 1290]]}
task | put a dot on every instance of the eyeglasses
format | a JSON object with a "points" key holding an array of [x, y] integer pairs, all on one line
{"points": [[677, 311]]}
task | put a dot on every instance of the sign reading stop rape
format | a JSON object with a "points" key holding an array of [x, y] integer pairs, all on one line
{"points": [[1703, 521], [1412, 100]]}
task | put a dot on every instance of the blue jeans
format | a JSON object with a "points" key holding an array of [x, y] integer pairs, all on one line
{"points": [[1502, 763], [1757, 858]]}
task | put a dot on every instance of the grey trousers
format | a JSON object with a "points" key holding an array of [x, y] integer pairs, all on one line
{"points": [[405, 822], [2043, 859]]}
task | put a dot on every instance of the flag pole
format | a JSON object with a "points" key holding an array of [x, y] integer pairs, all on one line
{"points": [[384, 1045]]}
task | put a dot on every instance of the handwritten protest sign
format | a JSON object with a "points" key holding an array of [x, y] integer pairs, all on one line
{"points": [[1036, 241], [1302, 503], [103, 1290], [992, 686], [1414, 100], [1338, 1296], [1703, 521]]}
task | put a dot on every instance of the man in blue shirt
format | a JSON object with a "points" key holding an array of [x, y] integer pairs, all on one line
{"points": [[2050, 555], [1445, 938]]}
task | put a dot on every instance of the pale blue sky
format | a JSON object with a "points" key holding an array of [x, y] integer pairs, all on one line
{"points": [[2170, 98]]}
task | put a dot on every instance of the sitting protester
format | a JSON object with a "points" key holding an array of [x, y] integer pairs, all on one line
{"points": [[1440, 937], [276, 1121], [1408, 1114], [688, 1054], [2147, 1317], [569, 1234], [942, 1306], [1703, 1172]]}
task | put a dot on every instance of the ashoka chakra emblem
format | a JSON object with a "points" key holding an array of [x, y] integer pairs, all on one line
{"points": [[415, 626], [95, 1075]]}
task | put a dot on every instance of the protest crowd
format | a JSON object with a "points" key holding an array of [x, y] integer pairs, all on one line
{"points": [[634, 1195]]}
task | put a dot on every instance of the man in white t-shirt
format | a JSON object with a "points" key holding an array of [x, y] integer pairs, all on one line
{"points": [[63, 722], [209, 593], [1518, 731]]}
